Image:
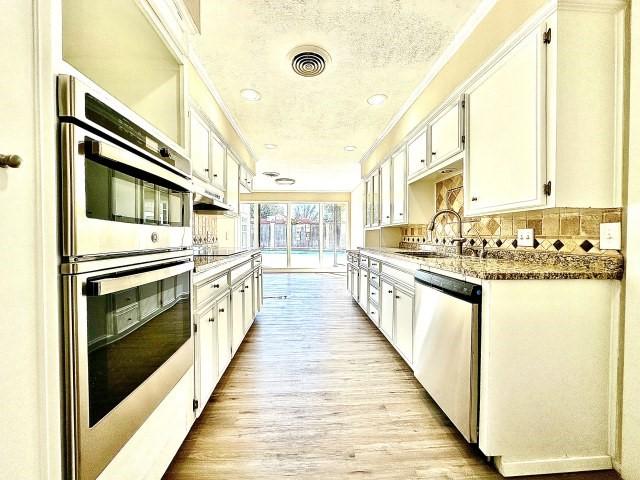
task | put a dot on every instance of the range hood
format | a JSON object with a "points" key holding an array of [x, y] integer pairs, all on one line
{"points": [[208, 201]]}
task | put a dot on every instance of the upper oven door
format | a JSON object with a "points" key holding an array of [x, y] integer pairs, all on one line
{"points": [[128, 341], [115, 201]]}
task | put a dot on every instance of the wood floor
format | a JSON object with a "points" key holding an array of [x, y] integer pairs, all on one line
{"points": [[316, 392]]}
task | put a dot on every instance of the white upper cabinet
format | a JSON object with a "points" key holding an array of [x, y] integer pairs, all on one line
{"points": [[399, 162], [233, 178], [385, 192], [506, 161], [545, 116], [417, 153], [218, 157], [199, 146], [447, 129]]}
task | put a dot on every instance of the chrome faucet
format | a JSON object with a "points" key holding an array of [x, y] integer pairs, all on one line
{"points": [[458, 241]]}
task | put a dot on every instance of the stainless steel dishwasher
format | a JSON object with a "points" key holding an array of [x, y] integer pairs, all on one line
{"points": [[446, 346]]}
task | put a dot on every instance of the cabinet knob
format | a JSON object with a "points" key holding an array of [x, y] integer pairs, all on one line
{"points": [[206, 170], [215, 175], [216, 285], [400, 213], [433, 153], [422, 160], [390, 291], [221, 310], [12, 161], [474, 199], [397, 296], [211, 319]]}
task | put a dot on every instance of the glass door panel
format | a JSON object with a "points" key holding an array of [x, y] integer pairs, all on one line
{"points": [[273, 234], [334, 236], [305, 235]]}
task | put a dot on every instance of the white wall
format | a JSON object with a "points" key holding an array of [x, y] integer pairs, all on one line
{"points": [[631, 396], [357, 216]]}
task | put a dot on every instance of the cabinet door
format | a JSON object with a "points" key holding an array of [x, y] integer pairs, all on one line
{"points": [[417, 153], [399, 162], [369, 202], [386, 309], [256, 292], [404, 324], [248, 302], [349, 279], [218, 157], [199, 146], [207, 356], [237, 323], [355, 283], [376, 199], [385, 193], [363, 294], [233, 185], [224, 334], [506, 133], [446, 133]]}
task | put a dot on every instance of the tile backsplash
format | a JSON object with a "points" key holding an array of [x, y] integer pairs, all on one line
{"points": [[205, 228], [563, 230]]}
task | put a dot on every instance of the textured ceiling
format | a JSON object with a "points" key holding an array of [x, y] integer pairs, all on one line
{"points": [[376, 46]]}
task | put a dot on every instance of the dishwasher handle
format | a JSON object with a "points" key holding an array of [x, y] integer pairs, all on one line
{"points": [[467, 291]]}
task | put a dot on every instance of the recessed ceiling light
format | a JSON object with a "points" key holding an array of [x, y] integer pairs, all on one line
{"points": [[270, 146], [285, 181], [250, 94], [271, 174], [350, 148], [377, 99]]}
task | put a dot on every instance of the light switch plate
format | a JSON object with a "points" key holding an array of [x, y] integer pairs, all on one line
{"points": [[525, 237], [610, 236]]}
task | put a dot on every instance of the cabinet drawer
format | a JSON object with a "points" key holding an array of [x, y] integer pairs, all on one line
{"points": [[374, 294], [364, 262], [374, 279], [211, 289], [124, 320], [257, 261], [375, 265], [240, 271], [126, 298], [396, 274], [373, 313]]}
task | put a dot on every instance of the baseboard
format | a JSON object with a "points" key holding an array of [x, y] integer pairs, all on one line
{"points": [[516, 468]]}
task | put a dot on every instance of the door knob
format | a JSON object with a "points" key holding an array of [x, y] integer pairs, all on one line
{"points": [[12, 161]]}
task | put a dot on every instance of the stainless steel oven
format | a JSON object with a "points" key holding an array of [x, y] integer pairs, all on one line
{"points": [[128, 338], [123, 190], [125, 212]]}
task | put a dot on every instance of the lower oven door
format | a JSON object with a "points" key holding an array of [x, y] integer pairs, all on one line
{"points": [[128, 334], [115, 201]]}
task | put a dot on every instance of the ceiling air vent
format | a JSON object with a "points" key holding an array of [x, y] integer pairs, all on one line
{"points": [[309, 60]]}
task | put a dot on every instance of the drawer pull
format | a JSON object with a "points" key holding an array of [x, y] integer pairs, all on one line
{"points": [[215, 285], [221, 310], [390, 291], [211, 319]]}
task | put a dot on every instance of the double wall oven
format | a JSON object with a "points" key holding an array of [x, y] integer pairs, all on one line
{"points": [[126, 213]]}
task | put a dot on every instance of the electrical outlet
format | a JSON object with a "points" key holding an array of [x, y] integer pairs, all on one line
{"points": [[525, 237], [610, 236]]}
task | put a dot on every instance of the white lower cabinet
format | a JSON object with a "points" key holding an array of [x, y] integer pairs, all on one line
{"points": [[404, 324], [224, 333], [386, 309], [363, 289], [206, 371], [237, 316], [247, 300], [387, 301]]}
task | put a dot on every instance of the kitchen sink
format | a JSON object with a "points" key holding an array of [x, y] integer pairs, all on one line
{"points": [[422, 254]]}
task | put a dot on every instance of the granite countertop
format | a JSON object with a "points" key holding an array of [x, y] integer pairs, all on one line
{"points": [[205, 262], [513, 266]]}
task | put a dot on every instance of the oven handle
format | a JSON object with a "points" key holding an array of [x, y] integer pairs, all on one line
{"points": [[105, 286], [120, 155]]}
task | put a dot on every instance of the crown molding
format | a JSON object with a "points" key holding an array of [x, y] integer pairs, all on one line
{"points": [[596, 6], [204, 76], [458, 40]]}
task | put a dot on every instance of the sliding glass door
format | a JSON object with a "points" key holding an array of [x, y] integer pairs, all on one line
{"points": [[273, 234], [298, 235], [305, 235]]}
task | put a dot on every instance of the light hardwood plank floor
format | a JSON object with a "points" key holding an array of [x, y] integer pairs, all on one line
{"points": [[317, 392]]}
